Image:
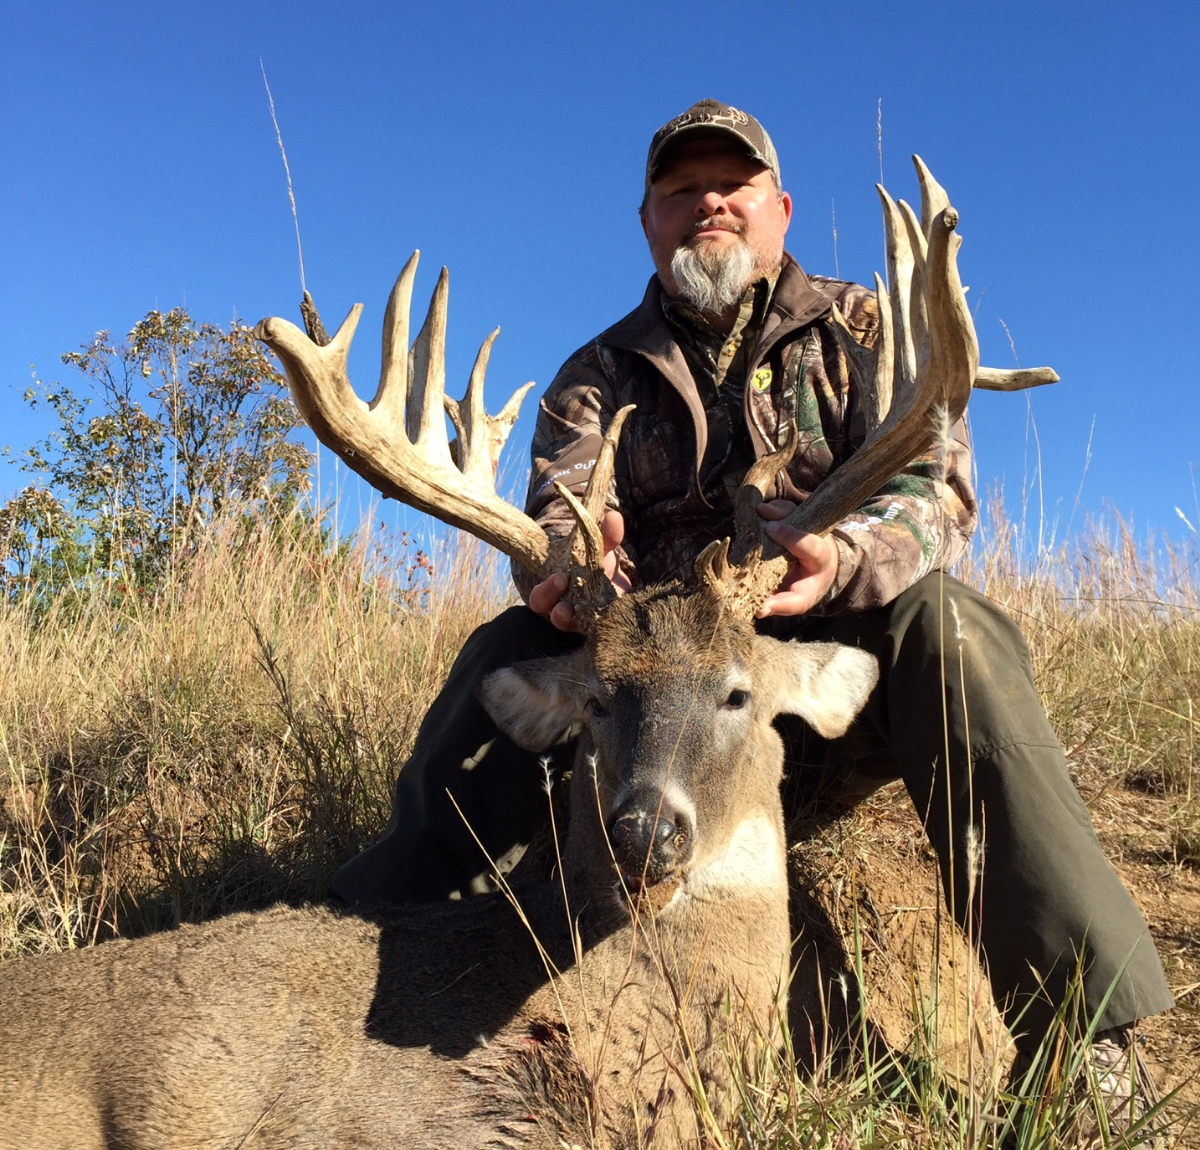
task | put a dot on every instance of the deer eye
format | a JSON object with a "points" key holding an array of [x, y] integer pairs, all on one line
{"points": [[737, 700]]}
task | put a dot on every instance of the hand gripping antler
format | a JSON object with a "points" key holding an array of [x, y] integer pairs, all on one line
{"points": [[918, 376], [399, 444]]}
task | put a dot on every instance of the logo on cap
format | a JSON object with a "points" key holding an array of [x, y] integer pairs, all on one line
{"points": [[713, 116]]}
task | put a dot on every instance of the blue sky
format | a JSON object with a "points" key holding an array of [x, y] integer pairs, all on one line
{"points": [[139, 169]]}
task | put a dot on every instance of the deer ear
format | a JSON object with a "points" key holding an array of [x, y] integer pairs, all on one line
{"points": [[826, 684], [539, 704]]}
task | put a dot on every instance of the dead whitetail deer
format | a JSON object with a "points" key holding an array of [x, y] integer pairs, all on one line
{"points": [[606, 1009]]}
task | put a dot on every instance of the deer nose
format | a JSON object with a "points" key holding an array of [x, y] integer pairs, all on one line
{"points": [[650, 839]]}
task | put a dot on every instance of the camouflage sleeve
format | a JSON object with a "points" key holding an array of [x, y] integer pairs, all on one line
{"points": [[918, 522], [572, 418]]}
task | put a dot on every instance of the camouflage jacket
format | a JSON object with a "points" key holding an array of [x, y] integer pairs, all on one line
{"points": [[677, 464]]}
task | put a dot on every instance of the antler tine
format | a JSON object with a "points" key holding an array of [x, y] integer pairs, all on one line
{"points": [[392, 395], [863, 361], [503, 423], [918, 314], [933, 196], [595, 495], [917, 236], [425, 421], [713, 569], [481, 437], [372, 439], [901, 267], [1014, 379], [473, 434], [736, 571], [758, 481], [473, 408], [944, 372], [325, 367], [954, 350], [581, 554], [885, 361], [588, 587]]}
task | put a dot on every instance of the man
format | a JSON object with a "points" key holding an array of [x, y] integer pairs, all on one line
{"points": [[730, 351]]}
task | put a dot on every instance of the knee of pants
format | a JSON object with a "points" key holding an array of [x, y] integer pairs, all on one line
{"points": [[956, 624], [946, 609], [960, 664]]}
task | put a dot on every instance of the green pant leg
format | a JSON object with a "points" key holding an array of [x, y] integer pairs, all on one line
{"points": [[956, 715], [427, 851]]}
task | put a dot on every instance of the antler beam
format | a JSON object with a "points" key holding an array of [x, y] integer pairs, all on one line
{"points": [[399, 442]]}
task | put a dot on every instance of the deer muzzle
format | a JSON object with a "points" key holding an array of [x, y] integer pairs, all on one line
{"points": [[651, 839]]}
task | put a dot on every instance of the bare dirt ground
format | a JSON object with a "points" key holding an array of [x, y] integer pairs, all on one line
{"points": [[1133, 829], [867, 884]]}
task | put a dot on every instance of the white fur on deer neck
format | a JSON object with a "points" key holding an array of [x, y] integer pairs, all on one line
{"points": [[753, 863]]}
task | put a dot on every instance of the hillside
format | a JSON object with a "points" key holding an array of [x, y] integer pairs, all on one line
{"points": [[229, 741]]}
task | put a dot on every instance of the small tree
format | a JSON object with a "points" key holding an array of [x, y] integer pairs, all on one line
{"points": [[183, 420]]}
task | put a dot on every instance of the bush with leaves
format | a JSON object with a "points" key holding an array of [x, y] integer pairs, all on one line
{"points": [[183, 421]]}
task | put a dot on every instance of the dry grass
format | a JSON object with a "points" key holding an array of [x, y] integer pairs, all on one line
{"points": [[230, 743], [1113, 625], [225, 746]]}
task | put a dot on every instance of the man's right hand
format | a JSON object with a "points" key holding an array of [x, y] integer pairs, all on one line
{"points": [[546, 599]]}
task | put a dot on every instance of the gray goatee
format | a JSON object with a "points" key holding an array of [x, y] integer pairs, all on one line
{"points": [[712, 278]]}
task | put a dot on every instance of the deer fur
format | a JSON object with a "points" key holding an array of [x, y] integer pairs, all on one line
{"points": [[450, 1026]]}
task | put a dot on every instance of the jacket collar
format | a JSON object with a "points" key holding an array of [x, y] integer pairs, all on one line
{"points": [[796, 302], [645, 331]]}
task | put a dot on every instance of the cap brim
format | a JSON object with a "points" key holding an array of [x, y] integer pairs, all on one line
{"points": [[690, 135]]}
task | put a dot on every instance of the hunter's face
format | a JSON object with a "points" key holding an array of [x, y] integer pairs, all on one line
{"points": [[712, 195]]}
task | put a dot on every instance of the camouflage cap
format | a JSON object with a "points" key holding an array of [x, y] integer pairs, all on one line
{"points": [[711, 117]]}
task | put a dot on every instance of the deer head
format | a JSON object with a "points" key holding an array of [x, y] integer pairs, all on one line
{"points": [[677, 780]]}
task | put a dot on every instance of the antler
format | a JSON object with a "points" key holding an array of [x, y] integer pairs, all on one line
{"points": [[399, 444], [919, 373]]}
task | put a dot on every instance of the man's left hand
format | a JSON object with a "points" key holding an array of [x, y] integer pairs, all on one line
{"points": [[813, 567]]}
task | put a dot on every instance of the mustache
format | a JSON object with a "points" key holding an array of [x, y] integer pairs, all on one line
{"points": [[720, 223]]}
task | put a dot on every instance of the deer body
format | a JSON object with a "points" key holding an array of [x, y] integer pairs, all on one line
{"points": [[298, 1028], [443, 1026]]}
